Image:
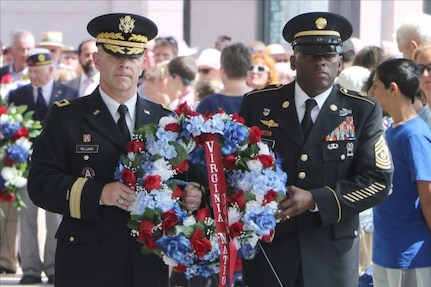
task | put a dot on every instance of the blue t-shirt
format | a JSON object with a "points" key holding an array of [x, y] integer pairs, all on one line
{"points": [[402, 239], [212, 103]]}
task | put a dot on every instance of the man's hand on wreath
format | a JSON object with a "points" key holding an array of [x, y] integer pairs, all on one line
{"points": [[117, 194], [296, 202]]}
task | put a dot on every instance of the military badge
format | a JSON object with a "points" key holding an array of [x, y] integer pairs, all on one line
{"points": [[88, 172], [266, 112], [86, 138], [345, 112], [349, 147], [269, 123], [127, 24]]}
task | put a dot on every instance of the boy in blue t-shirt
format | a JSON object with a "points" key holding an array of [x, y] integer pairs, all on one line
{"points": [[402, 223]]}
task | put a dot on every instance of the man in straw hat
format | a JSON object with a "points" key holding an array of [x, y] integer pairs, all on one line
{"points": [[75, 157], [332, 146]]}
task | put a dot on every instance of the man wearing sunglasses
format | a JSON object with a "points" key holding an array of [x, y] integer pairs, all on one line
{"points": [[332, 146], [165, 49]]}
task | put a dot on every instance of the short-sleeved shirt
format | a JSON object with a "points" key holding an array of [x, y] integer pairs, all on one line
{"points": [[212, 103], [401, 237]]}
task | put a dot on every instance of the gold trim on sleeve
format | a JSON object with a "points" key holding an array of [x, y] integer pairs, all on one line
{"points": [[338, 203], [75, 197]]}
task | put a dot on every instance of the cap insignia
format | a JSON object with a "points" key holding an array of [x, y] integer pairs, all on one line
{"points": [[127, 24], [321, 23], [41, 58]]}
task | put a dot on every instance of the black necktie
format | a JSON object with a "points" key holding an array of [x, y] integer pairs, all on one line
{"points": [[122, 124], [42, 108], [307, 122]]}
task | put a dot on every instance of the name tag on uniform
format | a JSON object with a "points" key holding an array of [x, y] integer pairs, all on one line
{"points": [[87, 148]]}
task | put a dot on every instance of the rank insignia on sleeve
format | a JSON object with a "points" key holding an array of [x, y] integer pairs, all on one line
{"points": [[344, 132], [383, 158]]}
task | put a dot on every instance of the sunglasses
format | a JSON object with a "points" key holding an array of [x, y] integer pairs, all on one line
{"points": [[422, 68], [259, 69], [170, 40], [280, 60], [205, 71]]}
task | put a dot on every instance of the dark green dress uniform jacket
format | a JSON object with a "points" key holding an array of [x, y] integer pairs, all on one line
{"points": [[346, 165], [74, 157]]}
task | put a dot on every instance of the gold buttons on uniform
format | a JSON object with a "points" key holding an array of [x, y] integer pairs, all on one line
{"points": [[302, 175], [333, 107], [86, 157], [71, 238], [343, 157], [304, 157]]}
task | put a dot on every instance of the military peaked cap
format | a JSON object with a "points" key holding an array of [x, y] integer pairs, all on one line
{"points": [[39, 57], [317, 33], [122, 34]]}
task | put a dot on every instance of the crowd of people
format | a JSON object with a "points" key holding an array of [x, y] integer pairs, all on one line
{"points": [[328, 106]]}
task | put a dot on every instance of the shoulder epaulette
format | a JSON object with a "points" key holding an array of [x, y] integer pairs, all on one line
{"points": [[273, 87], [355, 95], [166, 107], [62, 103]]}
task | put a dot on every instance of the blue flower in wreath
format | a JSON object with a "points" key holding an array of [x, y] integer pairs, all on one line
{"points": [[147, 165], [214, 125], [17, 153], [176, 247], [261, 220], [194, 125], [200, 270], [8, 129], [234, 134], [161, 147], [248, 251], [197, 156], [179, 212], [235, 177]]}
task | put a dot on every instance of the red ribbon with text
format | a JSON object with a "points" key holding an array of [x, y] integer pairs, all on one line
{"points": [[217, 186]]}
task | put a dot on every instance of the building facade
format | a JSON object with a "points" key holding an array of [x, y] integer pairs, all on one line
{"points": [[200, 22]]}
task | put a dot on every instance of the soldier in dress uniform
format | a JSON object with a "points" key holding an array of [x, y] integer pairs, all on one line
{"points": [[332, 177], [74, 160]]}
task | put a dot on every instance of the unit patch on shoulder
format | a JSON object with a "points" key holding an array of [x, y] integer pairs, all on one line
{"points": [[62, 103]]}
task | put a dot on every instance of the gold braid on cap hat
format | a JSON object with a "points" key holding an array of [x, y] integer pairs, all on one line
{"points": [[317, 33], [114, 42]]}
